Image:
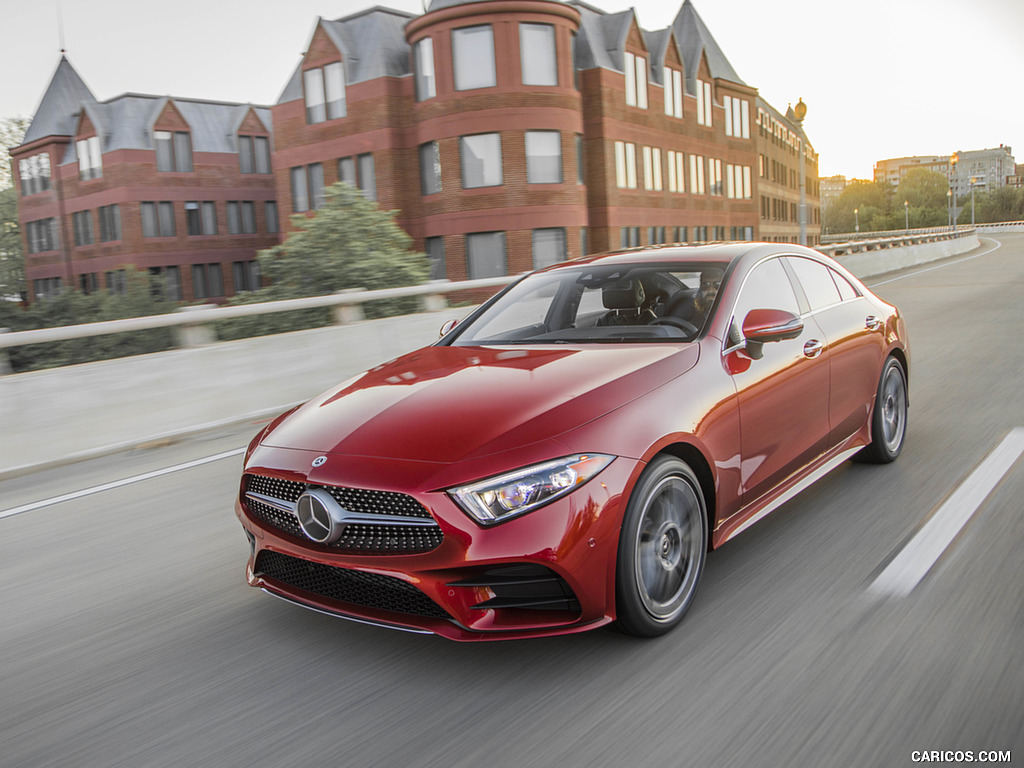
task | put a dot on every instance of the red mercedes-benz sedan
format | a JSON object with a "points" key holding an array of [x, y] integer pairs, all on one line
{"points": [[566, 456]]}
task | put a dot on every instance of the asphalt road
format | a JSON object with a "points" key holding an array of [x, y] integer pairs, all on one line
{"points": [[128, 636]]}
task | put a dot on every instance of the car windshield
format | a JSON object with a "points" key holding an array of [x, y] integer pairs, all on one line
{"points": [[600, 304]]}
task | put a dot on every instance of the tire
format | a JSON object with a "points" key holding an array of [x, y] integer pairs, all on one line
{"points": [[662, 548], [889, 416]]}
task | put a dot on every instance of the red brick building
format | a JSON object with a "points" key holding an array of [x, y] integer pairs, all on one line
{"points": [[514, 133], [180, 188]]}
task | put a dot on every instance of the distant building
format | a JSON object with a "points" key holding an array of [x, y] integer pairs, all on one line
{"points": [[780, 142], [893, 170], [986, 168], [831, 188], [179, 188]]}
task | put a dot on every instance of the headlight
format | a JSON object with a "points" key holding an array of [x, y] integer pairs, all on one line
{"points": [[499, 498]]}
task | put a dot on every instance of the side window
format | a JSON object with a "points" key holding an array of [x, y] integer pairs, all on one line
{"points": [[846, 290], [817, 282], [767, 287]]}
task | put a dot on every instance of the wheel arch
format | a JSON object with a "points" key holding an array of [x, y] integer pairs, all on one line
{"points": [[696, 460], [904, 361]]}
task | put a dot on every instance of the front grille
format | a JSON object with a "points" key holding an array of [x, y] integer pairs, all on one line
{"points": [[357, 538], [370, 590]]}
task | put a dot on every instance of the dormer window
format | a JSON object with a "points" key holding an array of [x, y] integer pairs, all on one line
{"points": [[90, 163], [325, 93], [636, 81], [254, 154], [173, 151]]}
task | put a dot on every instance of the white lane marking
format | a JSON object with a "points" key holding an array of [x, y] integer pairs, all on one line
{"points": [[998, 245], [917, 558], [118, 483]]}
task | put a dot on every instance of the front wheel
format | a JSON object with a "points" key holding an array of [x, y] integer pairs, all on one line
{"points": [[662, 548], [889, 418]]}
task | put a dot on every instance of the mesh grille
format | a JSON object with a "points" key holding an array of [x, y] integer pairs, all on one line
{"points": [[370, 590], [362, 538]]}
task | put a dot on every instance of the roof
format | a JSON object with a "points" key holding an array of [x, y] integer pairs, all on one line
{"points": [[695, 39], [126, 121], [372, 45], [63, 99]]}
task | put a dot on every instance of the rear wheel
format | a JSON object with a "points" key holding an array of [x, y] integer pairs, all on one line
{"points": [[662, 548], [889, 418]]}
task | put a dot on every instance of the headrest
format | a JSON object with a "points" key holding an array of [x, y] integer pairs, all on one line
{"points": [[623, 294]]}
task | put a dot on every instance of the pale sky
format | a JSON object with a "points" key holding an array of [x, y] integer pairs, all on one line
{"points": [[881, 78]]}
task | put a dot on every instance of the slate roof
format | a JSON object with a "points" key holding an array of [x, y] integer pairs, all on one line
{"points": [[126, 121], [372, 45], [695, 38]]}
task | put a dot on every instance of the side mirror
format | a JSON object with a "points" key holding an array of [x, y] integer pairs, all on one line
{"points": [[447, 327], [761, 326]]}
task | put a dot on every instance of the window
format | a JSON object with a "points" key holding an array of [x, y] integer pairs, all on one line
{"points": [[47, 287], [434, 248], [157, 219], [42, 235], [90, 163], [737, 117], [816, 280], [630, 237], [82, 222], [430, 168], [347, 170], [673, 79], [270, 212], [172, 283], [676, 182], [35, 173], [246, 275], [193, 220], [254, 154], [426, 81], [704, 103], [473, 58], [116, 282], [209, 218], [234, 218], [207, 281], [110, 223], [548, 247], [579, 159], [636, 80], [325, 93], [316, 185], [300, 190], [652, 168], [537, 54], [697, 174], [485, 255], [173, 151], [367, 176], [481, 161], [714, 176], [768, 286], [543, 157], [625, 165]]}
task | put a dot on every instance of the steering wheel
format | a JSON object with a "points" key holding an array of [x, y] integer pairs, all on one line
{"points": [[675, 322]]}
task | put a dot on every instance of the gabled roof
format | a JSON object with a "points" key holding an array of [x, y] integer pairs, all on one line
{"points": [[658, 43], [62, 101], [372, 45], [694, 40], [602, 38]]}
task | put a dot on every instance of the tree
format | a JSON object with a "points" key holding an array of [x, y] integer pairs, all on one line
{"points": [[349, 243], [1001, 204], [922, 188], [12, 257], [12, 131]]}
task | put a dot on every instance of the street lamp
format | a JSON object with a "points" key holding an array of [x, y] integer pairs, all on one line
{"points": [[906, 216], [800, 112], [953, 160], [856, 218], [974, 180], [949, 206]]}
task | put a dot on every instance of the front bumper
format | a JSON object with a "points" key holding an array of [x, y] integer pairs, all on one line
{"points": [[551, 571]]}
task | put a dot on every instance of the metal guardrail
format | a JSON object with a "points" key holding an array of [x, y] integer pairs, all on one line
{"points": [[193, 322], [1001, 226], [849, 237], [902, 239], [200, 316]]}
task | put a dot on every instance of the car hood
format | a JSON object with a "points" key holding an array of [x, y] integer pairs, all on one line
{"points": [[446, 404]]}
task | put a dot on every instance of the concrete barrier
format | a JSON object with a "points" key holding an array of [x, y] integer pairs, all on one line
{"points": [[52, 417]]}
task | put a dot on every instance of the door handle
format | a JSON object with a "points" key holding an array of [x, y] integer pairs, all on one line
{"points": [[872, 323], [813, 348]]}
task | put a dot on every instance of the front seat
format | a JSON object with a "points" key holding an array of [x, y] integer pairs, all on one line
{"points": [[625, 301]]}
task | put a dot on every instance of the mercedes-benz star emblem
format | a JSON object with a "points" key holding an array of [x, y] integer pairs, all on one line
{"points": [[319, 461], [321, 518]]}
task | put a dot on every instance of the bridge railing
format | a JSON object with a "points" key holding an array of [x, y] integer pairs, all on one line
{"points": [[880, 240]]}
